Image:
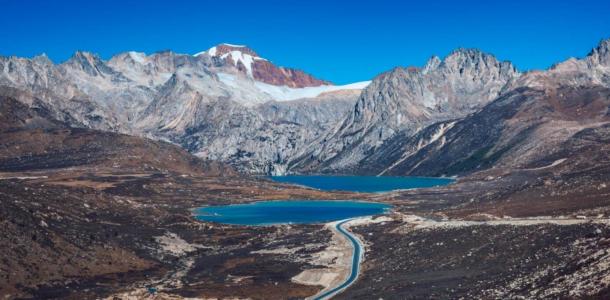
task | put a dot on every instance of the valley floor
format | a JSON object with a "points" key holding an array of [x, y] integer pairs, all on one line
{"points": [[102, 233], [94, 233]]}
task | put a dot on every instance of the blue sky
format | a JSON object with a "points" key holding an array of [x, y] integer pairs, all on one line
{"points": [[341, 41]]}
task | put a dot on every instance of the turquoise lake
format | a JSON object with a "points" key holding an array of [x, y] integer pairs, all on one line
{"points": [[365, 184], [315, 211], [288, 212]]}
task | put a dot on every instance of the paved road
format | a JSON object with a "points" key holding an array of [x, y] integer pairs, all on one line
{"points": [[357, 256]]}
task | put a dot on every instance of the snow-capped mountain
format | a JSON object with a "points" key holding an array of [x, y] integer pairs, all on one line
{"points": [[229, 104], [226, 103], [260, 69]]}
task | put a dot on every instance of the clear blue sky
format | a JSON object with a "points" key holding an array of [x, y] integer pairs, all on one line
{"points": [[342, 41]]}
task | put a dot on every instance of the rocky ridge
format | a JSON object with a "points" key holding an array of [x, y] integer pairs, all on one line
{"points": [[407, 100], [541, 117]]}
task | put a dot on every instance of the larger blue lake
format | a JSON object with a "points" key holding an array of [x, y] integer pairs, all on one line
{"points": [[365, 184], [288, 212]]}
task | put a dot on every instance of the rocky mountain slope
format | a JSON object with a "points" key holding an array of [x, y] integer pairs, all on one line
{"points": [[542, 117], [407, 100], [208, 103], [34, 140]]}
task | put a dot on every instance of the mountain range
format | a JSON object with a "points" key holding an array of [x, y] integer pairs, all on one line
{"points": [[465, 112]]}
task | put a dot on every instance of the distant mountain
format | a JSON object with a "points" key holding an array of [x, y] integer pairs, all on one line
{"points": [[561, 115], [407, 100], [260, 69]]}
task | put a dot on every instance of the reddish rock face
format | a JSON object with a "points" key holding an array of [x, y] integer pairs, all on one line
{"points": [[263, 70], [225, 48], [267, 72]]}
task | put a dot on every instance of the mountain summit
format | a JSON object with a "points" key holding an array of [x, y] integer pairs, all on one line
{"points": [[250, 63], [601, 53]]}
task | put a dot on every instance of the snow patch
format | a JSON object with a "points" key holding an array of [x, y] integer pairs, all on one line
{"points": [[243, 89], [284, 93], [227, 79], [211, 52], [238, 56], [138, 57]]}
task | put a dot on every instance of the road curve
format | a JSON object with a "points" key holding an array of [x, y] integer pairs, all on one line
{"points": [[356, 258]]}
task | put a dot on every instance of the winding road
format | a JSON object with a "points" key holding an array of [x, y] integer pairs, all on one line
{"points": [[356, 258]]}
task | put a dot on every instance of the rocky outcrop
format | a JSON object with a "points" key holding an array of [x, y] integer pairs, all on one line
{"points": [[600, 55], [267, 72]]}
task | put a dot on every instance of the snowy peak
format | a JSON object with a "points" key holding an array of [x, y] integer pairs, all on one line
{"points": [[223, 50], [241, 57], [260, 69]]}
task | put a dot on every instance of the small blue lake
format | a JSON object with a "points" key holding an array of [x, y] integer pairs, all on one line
{"points": [[365, 184], [288, 212]]}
